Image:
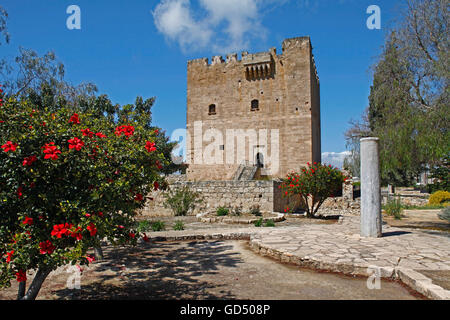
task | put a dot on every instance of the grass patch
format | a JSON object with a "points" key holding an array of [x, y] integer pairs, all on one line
{"points": [[259, 223]]}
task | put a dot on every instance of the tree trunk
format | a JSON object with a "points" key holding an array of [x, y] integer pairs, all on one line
{"points": [[35, 286], [98, 253], [21, 291]]}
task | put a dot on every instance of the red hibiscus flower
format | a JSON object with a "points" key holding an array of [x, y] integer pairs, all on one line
{"points": [[51, 151], [21, 276], [158, 165], [92, 229], [87, 133], [9, 146], [90, 258], [60, 230], [100, 135], [126, 130], [77, 233], [75, 143], [9, 256], [74, 119], [46, 247], [28, 221], [28, 161], [139, 197], [19, 192], [150, 146], [132, 235], [145, 238], [156, 185]]}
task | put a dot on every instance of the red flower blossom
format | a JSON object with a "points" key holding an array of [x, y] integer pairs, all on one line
{"points": [[9, 256], [150, 146], [100, 135], [87, 133], [132, 235], [92, 229], [21, 276], [139, 197], [28, 221], [156, 131], [126, 130], [158, 165], [75, 143], [51, 151], [77, 233], [9, 146], [90, 258], [74, 119], [145, 238], [60, 230], [19, 192], [28, 161], [156, 185], [46, 247]]}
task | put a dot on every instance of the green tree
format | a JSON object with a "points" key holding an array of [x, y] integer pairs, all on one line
{"points": [[408, 103]]}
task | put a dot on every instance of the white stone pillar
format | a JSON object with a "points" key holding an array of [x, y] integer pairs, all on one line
{"points": [[370, 189]]}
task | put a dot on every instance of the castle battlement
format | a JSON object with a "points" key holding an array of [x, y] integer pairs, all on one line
{"points": [[262, 91]]}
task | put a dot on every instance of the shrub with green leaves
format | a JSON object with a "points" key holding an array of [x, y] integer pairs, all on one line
{"points": [[67, 180], [393, 207], [179, 225], [182, 201], [221, 211], [314, 184], [158, 226], [259, 222], [269, 223], [445, 214]]}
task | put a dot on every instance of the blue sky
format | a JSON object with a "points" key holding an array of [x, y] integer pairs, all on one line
{"points": [[140, 48]]}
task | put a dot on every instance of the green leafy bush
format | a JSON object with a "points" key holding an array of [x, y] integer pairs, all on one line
{"points": [[221, 211], [393, 207], [182, 201], [269, 223], [143, 226], [445, 214], [314, 184], [67, 180], [158, 226], [259, 222], [179, 225]]}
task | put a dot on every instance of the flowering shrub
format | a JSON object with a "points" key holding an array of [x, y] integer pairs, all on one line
{"points": [[67, 180], [314, 184]]}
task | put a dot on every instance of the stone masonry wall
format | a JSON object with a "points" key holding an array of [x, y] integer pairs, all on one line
{"points": [[222, 193]]}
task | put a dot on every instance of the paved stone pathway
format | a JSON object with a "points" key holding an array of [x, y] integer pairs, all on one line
{"points": [[399, 254]]}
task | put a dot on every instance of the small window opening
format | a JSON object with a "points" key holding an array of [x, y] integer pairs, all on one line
{"points": [[212, 109], [255, 105]]}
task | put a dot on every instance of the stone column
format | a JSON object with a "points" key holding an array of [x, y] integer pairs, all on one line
{"points": [[370, 189]]}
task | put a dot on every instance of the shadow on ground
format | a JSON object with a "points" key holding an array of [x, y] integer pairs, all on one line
{"points": [[155, 271]]}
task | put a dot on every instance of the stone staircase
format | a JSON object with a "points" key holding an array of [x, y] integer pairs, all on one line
{"points": [[245, 171]]}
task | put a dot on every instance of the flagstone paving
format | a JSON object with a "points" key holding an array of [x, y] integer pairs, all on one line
{"points": [[399, 254]]}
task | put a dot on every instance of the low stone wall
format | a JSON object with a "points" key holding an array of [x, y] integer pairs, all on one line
{"points": [[215, 194]]}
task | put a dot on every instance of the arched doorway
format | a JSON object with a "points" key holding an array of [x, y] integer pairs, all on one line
{"points": [[259, 160]]}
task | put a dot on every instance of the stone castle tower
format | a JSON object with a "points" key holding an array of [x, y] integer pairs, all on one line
{"points": [[270, 102]]}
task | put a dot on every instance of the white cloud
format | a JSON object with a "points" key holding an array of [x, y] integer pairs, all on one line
{"points": [[222, 25], [336, 159]]}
